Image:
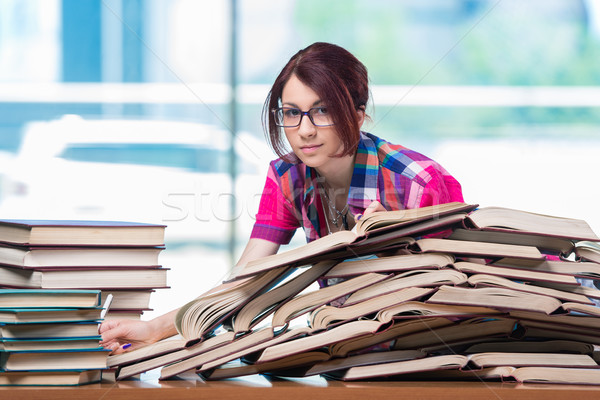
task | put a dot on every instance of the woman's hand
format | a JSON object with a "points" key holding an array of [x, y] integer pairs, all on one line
{"points": [[373, 207], [122, 334]]}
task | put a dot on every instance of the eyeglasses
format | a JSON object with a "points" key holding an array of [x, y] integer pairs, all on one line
{"points": [[289, 117]]}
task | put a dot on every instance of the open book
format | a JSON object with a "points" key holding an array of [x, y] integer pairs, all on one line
{"points": [[580, 269], [198, 318], [505, 220], [496, 297], [404, 262], [458, 361], [163, 353], [262, 306], [374, 224], [588, 251], [551, 244]]}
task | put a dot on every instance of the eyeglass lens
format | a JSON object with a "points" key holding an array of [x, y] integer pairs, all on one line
{"points": [[292, 117]]}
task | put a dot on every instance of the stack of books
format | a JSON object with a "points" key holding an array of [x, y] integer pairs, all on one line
{"points": [[118, 258], [50, 337], [444, 292]]}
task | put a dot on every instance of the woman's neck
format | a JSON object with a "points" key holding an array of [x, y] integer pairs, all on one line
{"points": [[338, 176], [333, 187]]}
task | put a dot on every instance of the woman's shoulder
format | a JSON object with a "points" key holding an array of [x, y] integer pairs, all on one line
{"points": [[396, 157], [284, 165]]}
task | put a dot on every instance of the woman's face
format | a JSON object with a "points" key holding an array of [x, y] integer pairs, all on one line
{"points": [[313, 145]]}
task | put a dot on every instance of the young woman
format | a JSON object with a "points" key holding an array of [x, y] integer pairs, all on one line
{"points": [[333, 174]]}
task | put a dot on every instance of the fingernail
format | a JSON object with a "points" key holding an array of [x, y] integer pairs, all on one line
{"points": [[358, 217], [126, 346]]}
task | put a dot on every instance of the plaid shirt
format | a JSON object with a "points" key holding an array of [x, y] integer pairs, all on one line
{"points": [[395, 176]]}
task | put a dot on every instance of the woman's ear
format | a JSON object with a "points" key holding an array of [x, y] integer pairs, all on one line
{"points": [[361, 115]]}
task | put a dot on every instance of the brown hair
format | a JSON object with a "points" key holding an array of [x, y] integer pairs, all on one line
{"points": [[340, 80]]}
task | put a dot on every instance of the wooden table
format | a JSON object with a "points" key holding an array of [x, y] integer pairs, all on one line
{"points": [[308, 389]]}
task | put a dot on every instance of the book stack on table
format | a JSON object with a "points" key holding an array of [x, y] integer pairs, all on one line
{"points": [[444, 292], [50, 337], [118, 258]]}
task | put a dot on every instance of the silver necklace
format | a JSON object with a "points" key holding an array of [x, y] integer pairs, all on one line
{"points": [[334, 212]]}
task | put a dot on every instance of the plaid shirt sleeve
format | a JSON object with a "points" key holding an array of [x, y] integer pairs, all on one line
{"points": [[440, 189], [275, 220]]}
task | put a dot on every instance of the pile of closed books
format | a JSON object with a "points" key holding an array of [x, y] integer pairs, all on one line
{"points": [[54, 277], [50, 337], [118, 258], [445, 292]]}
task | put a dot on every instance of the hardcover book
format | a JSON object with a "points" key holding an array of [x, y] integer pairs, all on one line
{"points": [[80, 233]]}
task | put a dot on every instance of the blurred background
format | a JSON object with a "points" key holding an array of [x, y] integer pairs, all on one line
{"points": [[150, 110]]}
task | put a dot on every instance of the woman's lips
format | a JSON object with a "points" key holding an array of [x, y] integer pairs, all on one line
{"points": [[310, 148]]}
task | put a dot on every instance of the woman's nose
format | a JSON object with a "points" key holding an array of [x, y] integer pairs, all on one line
{"points": [[306, 127]]}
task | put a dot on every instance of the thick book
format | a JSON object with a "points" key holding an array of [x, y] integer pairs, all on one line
{"points": [[405, 280], [496, 297], [415, 309], [483, 280], [457, 332], [68, 256], [50, 315], [156, 349], [458, 361], [33, 298], [373, 358], [501, 219], [561, 375], [134, 314], [417, 326], [378, 223], [53, 359], [85, 278], [80, 233], [198, 318], [580, 269], [476, 249], [50, 344], [304, 303], [509, 374], [264, 305], [549, 244], [590, 292], [339, 333], [294, 365], [327, 316], [33, 331], [560, 321], [398, 263], [514, 273], [255, 339], [248, 351], [454, 361], [533, 346], [167, 352], [50, 378], [125, 299], [269, 346], [588, 251]]}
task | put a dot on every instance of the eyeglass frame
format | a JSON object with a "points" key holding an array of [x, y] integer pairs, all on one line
{"points": [[302, 114]]}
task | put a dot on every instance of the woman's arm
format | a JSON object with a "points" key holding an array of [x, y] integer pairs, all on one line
{"points": [[133, 334], [257, 248]]}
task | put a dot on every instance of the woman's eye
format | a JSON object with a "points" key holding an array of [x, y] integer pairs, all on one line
{"points": [[291, 112], [322, 111]]}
